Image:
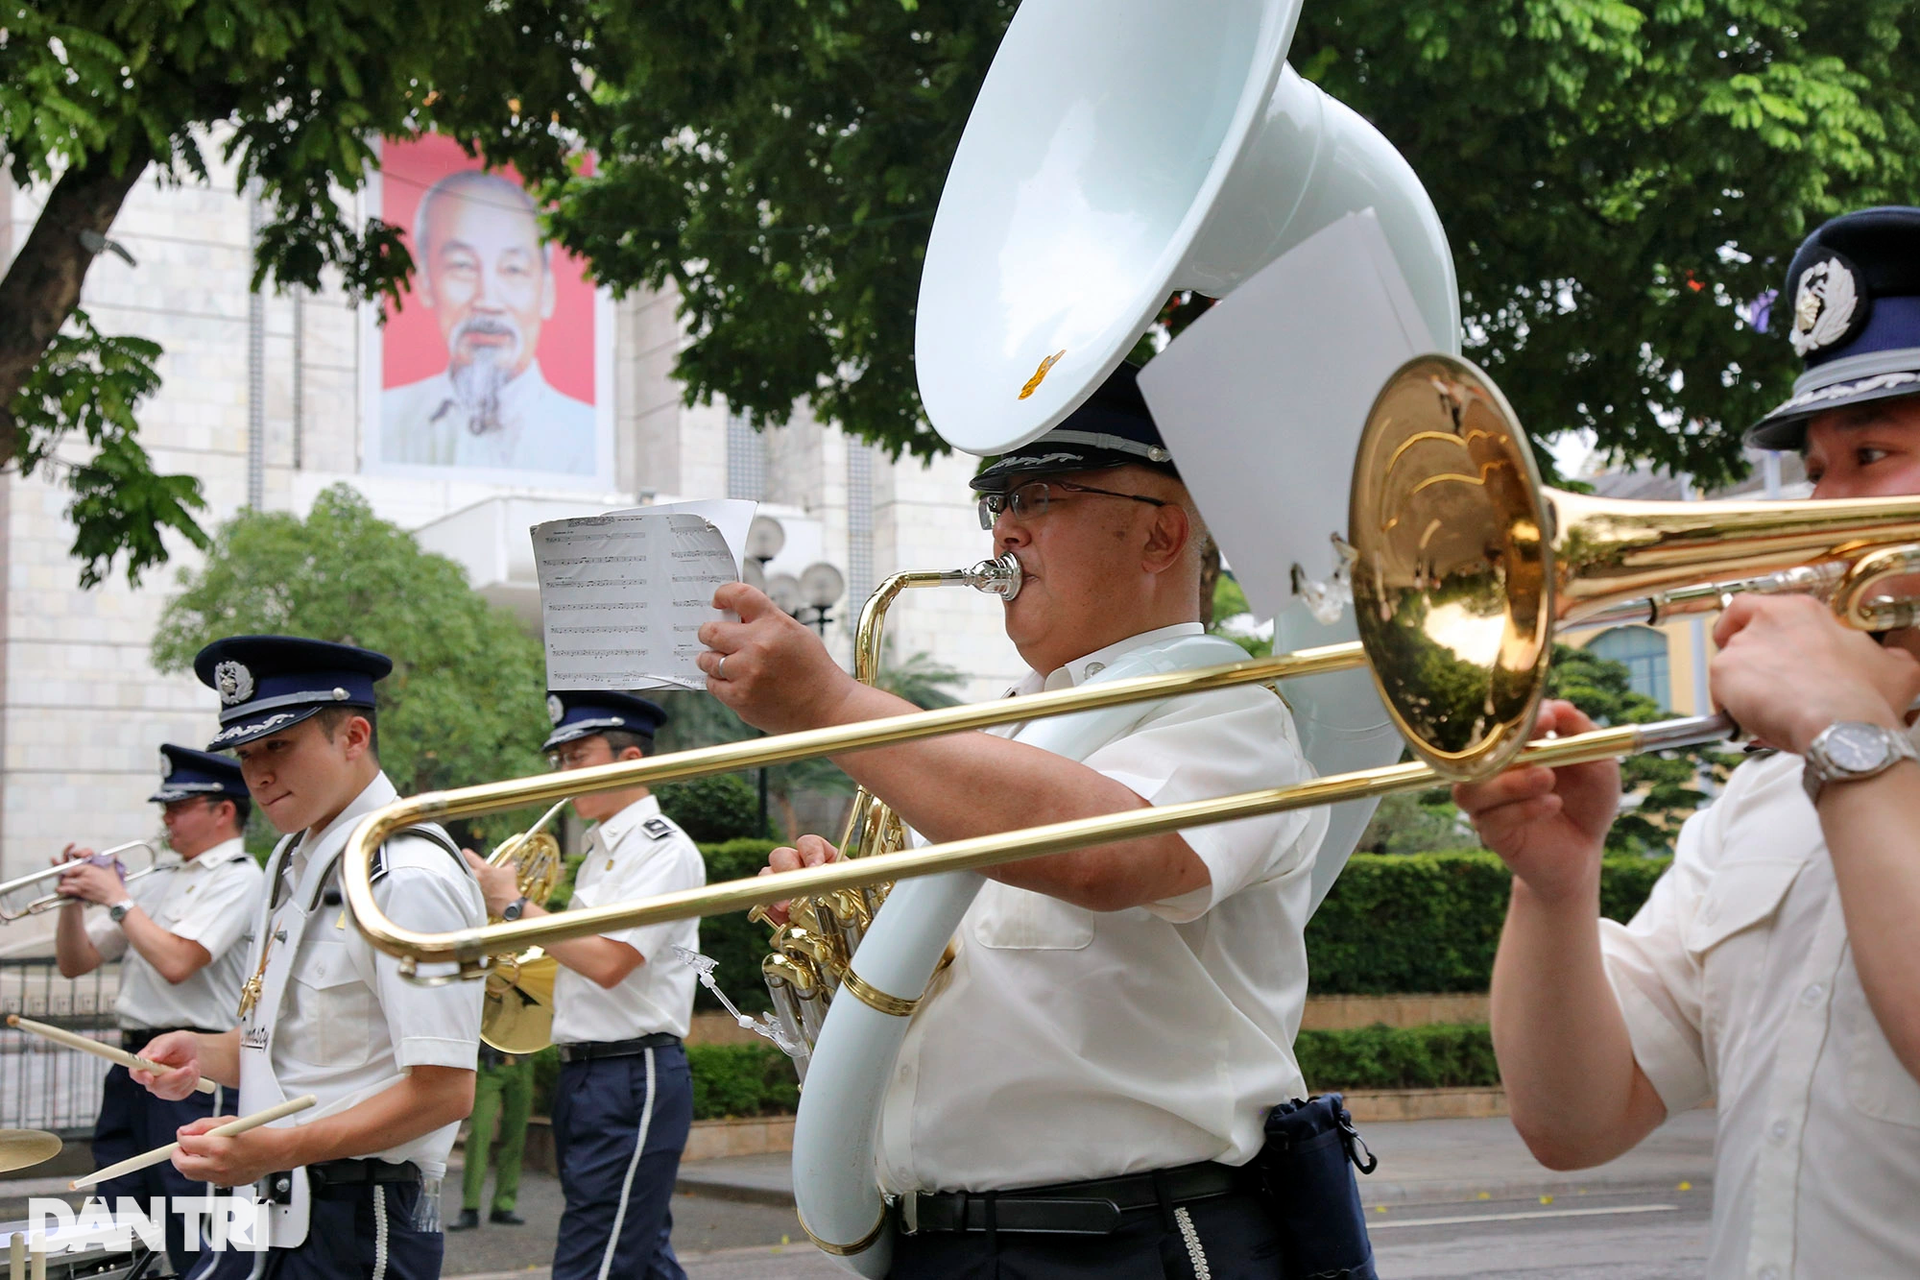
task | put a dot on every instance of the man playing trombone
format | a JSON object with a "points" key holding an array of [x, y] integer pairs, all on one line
{"points": [[1117, 1020], [1775, 967], [178, 933]]}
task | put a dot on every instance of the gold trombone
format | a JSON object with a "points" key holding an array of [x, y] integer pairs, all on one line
{"points": [[1463, 567]]}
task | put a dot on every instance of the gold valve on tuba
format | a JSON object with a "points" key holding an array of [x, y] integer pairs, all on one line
{"points": [[517, 1016], [812, 951]]}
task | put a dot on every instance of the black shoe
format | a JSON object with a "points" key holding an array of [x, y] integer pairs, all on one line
{"points": [[467, 1221], [506, 1218]]}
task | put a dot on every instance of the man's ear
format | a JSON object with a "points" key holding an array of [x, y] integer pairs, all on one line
{"points": [[1167, 538], [356, 736], [629, 753]]}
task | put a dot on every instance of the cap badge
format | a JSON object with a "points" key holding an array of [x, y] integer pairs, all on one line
{"points": [[1824, 306], [556, 710], [234, 682], [1040, 374]]}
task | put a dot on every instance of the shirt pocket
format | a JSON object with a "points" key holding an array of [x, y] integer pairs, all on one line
{"points": [[336, 1005], [1878, 1084], [1021, 920], [1740, 896]]}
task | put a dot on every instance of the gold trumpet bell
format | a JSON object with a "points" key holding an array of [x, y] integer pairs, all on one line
{"points": [[517, 1015]]}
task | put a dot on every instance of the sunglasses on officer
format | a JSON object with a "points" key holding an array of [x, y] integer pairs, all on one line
{"points": [[1033, 498]]}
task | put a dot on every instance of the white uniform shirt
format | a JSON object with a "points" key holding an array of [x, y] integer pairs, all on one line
{"points": [[1065, 1044], [634, 854], [211, 900], [1737, 983], [540, 429], [349, 1020]]}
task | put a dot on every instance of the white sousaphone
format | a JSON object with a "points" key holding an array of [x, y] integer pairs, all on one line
{"points": [[1118, 152]]}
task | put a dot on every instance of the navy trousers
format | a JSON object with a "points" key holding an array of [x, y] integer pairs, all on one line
{"points": [[355, 1233], [619, 1125], [1235, 1236], [132, 1121]]}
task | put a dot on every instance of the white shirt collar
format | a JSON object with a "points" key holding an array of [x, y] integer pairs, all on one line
{"points": [[612, 831], [1084, 668], [221, 854], [378, 793]]}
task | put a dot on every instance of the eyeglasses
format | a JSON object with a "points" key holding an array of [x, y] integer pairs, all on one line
{"points": [[1032, 499]]}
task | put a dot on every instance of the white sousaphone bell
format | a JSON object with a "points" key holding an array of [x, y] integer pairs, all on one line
{"points": [[1117, 153]]}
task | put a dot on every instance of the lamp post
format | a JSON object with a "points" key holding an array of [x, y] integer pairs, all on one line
{"points": [[765, 537]]}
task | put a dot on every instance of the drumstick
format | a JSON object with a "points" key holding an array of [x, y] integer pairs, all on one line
{"points": [[227, 1130], [86, 1044]]}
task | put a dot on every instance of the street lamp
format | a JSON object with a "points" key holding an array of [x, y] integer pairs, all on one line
{"points": [[821, 586]]}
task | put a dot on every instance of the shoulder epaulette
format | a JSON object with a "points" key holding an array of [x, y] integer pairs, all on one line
{"points": [[658, 828]]}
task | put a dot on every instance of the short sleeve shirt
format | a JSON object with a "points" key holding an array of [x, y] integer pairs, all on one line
{"points": [[636, 853], [1737, 984], [209, 899], [1065, 1044]]}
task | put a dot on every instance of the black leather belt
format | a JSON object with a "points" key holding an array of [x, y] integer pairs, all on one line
{"points": [[1069, 1208], [134, 1039], [588, 1050], [339, 1178]]}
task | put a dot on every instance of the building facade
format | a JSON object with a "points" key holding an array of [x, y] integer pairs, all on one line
{"points": [[265, 401]]}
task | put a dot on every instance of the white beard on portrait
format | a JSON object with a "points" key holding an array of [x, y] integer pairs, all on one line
{"points": [[478, 382]]}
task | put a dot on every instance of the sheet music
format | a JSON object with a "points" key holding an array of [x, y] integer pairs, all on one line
{"points": [[623, 595]]}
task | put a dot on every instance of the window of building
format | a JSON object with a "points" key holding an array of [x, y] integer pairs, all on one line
{"points": [[746, 460], [1643, 651]]}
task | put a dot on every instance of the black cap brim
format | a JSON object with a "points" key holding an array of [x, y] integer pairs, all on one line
{"points": [[1786, 427]]}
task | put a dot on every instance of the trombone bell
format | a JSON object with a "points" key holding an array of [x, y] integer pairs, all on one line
{"points": [[1465, 565]]}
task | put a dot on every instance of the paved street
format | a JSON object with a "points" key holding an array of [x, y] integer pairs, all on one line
{"points": [[1452, 1198]]}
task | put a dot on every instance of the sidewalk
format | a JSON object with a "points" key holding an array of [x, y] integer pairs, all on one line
{"points": [[1421, 1162]]}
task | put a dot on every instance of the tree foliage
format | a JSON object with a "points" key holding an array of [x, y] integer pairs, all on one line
{"points": [[1616, 178], [294, 95], [466, 701]]}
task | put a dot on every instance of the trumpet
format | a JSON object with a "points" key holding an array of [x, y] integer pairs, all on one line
{"points": [[47, 902], [1464, 568]]}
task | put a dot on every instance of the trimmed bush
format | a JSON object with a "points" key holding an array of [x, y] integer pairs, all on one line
{"points": [[724, 806], [1447, 1055], [739, 944], [741, 1080], [1430, 922]]}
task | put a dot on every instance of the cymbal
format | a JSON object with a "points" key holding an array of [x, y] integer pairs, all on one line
{"points": [[24, 1148]]}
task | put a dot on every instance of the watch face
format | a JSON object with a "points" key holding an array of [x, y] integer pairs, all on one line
{"points": [[1856, 747]]}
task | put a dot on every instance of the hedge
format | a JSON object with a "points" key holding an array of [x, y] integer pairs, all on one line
{"points": [[1394, 923], [1446, 1055], [1430, 922], [757, 1080]]}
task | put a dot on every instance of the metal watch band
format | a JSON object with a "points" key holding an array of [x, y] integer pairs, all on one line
{"points": [[1821, 768]]}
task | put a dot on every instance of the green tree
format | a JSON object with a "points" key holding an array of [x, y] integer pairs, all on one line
{"points": [[466, 701], [1616, 177], [295, 95]]}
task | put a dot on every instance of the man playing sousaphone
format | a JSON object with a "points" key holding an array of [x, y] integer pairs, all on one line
{"points": [[1119, 1019], [1775, 967]]}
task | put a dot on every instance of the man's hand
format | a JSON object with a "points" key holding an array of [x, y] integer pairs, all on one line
{"points": [[1547, 825], [500, 885], [811, 851], [231, 1162], [772, 670], [179, 1050], [1787, 668], [89, 882]]}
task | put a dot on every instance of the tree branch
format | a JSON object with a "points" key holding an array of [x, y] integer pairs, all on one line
{"points": [[42, 287]]}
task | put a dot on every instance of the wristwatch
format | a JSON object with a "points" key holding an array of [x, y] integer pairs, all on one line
{"points": [[119, 909], [515, 909], [1849, 750]]}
